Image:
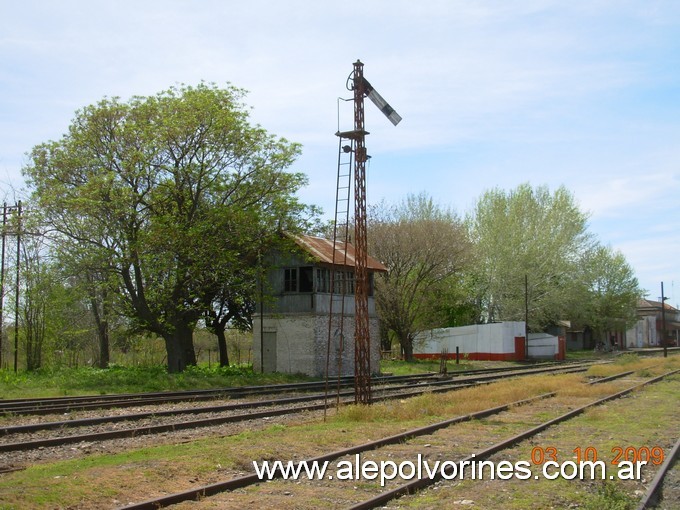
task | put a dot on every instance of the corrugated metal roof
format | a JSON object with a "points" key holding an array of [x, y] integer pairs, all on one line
{"points": [[322, 250]]}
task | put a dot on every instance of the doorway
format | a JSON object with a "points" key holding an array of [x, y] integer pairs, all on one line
{"points": [[269, 351]]}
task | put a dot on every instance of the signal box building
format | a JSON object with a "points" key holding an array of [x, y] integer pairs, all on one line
{"points": [[291, 326]]}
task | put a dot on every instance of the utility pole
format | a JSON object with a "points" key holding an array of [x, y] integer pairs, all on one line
{"points": [[2, 277], [6, 211], [16, 296], [526, 316], [663, 322]]}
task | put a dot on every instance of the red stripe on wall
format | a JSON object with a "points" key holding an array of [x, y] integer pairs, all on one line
{"points": [[476, 356]]}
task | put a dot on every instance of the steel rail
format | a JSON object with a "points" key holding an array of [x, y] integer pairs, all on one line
{"points": [[199, 493], [252, 479], [206, 422], [436, 387], [611, 377], [98, 420], [62, 404], [44, 406], [446, 385], [414, 486], [651, 496], [8, 404], [16, 405]]}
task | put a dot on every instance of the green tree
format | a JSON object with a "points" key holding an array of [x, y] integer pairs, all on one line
{"points": [[163, 193], [37, 278], [425, 249], [528, 243], [610, 292]]}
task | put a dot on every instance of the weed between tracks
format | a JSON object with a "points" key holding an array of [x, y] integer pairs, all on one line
{"points": [[643, 419], [107, 481]]}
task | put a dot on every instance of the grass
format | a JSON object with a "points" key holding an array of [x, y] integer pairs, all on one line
{"points": [[112, 480], [643, 367], [399, 367], [118, 379], [609, 496], [138, 379], [644, 418]]}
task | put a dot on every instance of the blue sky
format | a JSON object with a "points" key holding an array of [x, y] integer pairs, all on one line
{"points": [[584, 94]]}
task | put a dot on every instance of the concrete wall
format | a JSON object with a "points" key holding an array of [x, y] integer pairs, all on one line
{"points": [[502, 341], [643, 334], [480, 341], [543, 346], [302, 340]]}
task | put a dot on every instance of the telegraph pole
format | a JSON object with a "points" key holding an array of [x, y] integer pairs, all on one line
{"points": [[6, 211], [2, 276], [16, 296], [663, 322]]}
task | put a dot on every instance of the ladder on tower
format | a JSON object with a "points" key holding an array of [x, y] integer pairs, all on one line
{"points": [[339, 277]]}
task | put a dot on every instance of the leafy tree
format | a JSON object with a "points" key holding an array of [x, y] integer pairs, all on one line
{"points": [[528, 243], [160, 195], [425, 249], [610, 292], [37, 278]]}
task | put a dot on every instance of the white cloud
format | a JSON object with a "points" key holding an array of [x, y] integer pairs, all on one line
{"points": [[493, 93]]}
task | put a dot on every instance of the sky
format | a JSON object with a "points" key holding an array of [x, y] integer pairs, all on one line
{"points": [[493, 94]]}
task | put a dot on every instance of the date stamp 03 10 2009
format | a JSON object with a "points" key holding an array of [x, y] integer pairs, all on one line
{"points": [[627, 460]]}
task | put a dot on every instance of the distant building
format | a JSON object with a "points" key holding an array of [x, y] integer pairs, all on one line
{"points": [[648, 330], [498, 341], [292, 333]]}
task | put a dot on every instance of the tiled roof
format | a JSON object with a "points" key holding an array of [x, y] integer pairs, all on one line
{"points": [[322, 250], [650, 304]]}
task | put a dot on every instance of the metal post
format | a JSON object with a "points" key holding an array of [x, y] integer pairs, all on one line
{"points": [[663, 323], [2, 278], [362, 348], [16, 296], [262, 275], [457, 355], [526, 316]]}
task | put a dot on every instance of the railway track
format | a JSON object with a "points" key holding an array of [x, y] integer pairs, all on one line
{"points": [[651, 497], [69, 404], [60, 405], [25, 437], [437, 438]]}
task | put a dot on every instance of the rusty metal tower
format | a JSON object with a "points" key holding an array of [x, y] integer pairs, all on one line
{"points": [[362, 345]]}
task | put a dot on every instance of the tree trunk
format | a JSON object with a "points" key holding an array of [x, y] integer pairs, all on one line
{"points": [[407, 346], [179, 345], [102, 329], [217, 323], [104, 357], [222, 343], [176, 361]]}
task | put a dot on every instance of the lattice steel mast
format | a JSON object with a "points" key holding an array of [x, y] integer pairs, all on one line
{"points": [[362, 337], [362, 344]]}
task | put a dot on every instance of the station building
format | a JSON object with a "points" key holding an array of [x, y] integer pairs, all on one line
{"points": [[291, 327]]}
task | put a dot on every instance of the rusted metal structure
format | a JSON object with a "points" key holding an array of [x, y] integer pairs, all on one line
{"points": [[357, 147]]}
